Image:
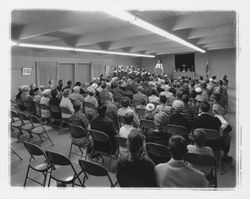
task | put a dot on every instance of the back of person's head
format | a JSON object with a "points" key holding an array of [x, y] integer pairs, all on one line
{"points": [[220, 82], [78, 84], [179, 94], [163, 99], [204, 106], [161, 119], [185, 98], [129, 118], [177, 147], [201, 78], [102, 110], [204, 85], [178, 106], [104, 85], [69, 83], [66, 92], [199, 136], [136, 143], [192, 94], [60, 82], [125, 102], [54, 93], [76, 89], [154, 92], [77, 105], [217, 97]]}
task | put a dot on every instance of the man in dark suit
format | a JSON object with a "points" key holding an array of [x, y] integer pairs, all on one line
{"points": [[102, 123], [205, 120]]}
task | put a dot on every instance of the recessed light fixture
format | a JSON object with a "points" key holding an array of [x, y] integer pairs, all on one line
{"points": [[145, 25], [80, 50]]}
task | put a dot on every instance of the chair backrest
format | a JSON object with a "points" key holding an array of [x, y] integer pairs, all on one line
{"points": [[44, 107], [212, 138], [34, 119], [93, 168], [54, 108], [89, 105], [187, 116], [177, 130], [14, 115], [57, 159], [158, 153], [141, 113], [121, 141], [102, 142], [202, 160], [65, 110], [147, 124], [77, 131], [130, 181], [33, 149], [23, 117]]}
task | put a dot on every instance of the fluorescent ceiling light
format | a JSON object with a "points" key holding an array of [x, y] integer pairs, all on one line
{"points": [[145, 25], [80, 50]]}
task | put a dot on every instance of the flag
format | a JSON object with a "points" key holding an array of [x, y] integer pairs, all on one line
{"points": [[207, 70]]}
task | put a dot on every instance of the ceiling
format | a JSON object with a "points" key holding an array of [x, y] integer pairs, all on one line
{"points": [[209, 30]]}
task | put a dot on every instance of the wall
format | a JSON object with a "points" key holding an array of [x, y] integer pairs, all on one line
{"points": [[27, 58], [221, 62]]}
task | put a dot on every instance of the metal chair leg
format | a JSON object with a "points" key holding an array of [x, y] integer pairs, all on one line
{"points": [[26, 177], [70, 150]]}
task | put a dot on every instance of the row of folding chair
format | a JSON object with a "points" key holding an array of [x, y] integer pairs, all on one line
{"points": [[30, 124], [60, 168]]}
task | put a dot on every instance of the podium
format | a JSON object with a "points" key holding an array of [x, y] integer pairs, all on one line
{"points": [[185, 74]]}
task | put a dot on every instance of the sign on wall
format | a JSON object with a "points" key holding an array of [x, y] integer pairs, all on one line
{"points": [[26, 71]]}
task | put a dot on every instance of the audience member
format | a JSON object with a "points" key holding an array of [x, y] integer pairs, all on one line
{"points": [[135, 170], [66, 103], [45, 113], [176, 173]]}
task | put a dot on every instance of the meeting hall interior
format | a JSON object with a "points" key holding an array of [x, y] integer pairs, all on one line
{"points": [[133, 98]]}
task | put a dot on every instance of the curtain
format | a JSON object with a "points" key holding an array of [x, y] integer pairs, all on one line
{"points": [[46, 71]]}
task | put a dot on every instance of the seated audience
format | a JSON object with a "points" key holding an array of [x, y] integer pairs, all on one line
{"points": [[76, 96], [91, 96], [176, 118], [79, 118], [150, 111], [135, 170], [27, 100], [199, 138], [139, 96], [102, 123], [59, 87], [126, 129], [56, 102], [164, 107], [126, 108], [159, 135], [45, 101], [175, 173], [153, 98], [68, 86], [66, 103], [36, 99]]}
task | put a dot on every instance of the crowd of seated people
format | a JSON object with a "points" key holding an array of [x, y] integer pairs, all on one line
{"points": [[191, 103]]}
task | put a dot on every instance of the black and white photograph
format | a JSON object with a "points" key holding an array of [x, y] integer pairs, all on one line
{"points": [[139, 99]]}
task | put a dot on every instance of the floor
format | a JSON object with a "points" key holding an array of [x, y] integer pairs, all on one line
{"points": [[62, 145]]}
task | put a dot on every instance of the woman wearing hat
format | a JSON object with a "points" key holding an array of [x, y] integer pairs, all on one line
{"points": [[150, 111]]}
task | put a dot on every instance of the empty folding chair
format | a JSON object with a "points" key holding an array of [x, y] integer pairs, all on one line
{"points": [[63, 170], [79, 138], [158, 153], [38, 162], [16, 123], [26, 124], [40, 129], [94, 169], [15, 153]]}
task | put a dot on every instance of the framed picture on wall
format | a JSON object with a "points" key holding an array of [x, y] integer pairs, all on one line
{"points": [[26, 71]]}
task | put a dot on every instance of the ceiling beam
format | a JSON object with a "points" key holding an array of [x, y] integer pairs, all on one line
{"points": [[211, 31], [218, 38], [112, 35], [62, 21], [201, 19]]}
